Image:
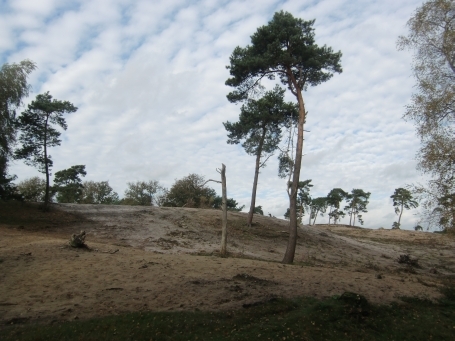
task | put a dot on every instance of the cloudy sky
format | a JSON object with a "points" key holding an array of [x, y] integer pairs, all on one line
{"points": [[148, 79]]}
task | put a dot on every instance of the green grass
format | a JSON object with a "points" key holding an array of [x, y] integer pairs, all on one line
{"points": [[345, 317]]}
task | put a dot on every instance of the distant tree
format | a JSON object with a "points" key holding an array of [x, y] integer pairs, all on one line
{"points": [[190, 191], [38, 133], [98, 193], [32, 189], [402, 199], [303, 201], [418, 228], [13, 89], [283, 48], [259, 127], [68, 184], [334, 199], [144, 193], [258, 210], [318, 206], [357, 202], [336, 215], [232, 205]]}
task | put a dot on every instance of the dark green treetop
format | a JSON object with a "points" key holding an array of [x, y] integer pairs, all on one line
{"points": [[38, 133], [285, 48], [262, 119], [68, 184]]}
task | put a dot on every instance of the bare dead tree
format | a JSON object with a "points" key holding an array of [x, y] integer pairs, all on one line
{"points": [[222, 171]]}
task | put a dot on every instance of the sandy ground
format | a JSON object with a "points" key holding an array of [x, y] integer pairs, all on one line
{"points": [[166, 259]]}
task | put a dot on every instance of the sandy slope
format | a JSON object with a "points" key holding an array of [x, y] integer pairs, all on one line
{"points": [[167, 260]]}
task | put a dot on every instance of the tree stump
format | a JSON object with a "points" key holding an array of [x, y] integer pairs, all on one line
{"points": [[78, 240]]}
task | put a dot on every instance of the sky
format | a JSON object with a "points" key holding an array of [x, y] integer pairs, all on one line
{"points": [[148, 78]]}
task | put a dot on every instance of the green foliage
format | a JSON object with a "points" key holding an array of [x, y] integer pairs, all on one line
{"points": [[396, 225], [231, 204], [402, 199], [347, 316], [357, 202], [98, 193], [336, 214], [143, 193], [32, 189], [286, 48], [260, 123], [68, 184], [303, 200], [38, 133], [14, 87], [318, 206], [258, 210], [432, 39], [190, 191]]}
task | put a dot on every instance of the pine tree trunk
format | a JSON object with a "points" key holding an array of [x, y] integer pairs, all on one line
{"points": [[290, 249], [399, 218], [256, 176], [223, 251]]}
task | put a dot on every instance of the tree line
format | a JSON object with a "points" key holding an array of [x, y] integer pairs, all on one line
{"points": [[68, 187]]}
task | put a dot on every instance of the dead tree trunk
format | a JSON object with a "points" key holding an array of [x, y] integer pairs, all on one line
{"points": [[223, 251]]}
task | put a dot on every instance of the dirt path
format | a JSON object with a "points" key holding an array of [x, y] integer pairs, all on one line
{"points": [[167, 260]]}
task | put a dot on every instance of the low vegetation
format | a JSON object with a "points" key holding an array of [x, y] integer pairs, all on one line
{"points": [[345, 317]]}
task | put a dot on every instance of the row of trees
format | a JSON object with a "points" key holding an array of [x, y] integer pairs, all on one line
{"points": [[68, 187], [356, 203], [38, 126]]}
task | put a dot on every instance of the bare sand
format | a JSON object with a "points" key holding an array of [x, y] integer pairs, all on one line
{"points": [[167, 259]]}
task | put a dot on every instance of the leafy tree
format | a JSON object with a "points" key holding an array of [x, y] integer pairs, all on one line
{"points": [[190, 191], [143, 193], [334, 199], [336, 215], [98, 193], [32, 189], [402, 199], [38, 133], [259, 126], [303, 201], [283, 48], [231, 204], [432, 38], [14, 87], [68, 184], [357, 202], [318, 206], [259, 210]]}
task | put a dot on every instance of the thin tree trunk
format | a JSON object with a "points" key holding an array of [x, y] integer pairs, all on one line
{"points": [[223, 251], [46, 168], [315, 216], [330, 217], [290, 249], [350, 215], [309, 221], [399, 218], [256, 176]]}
